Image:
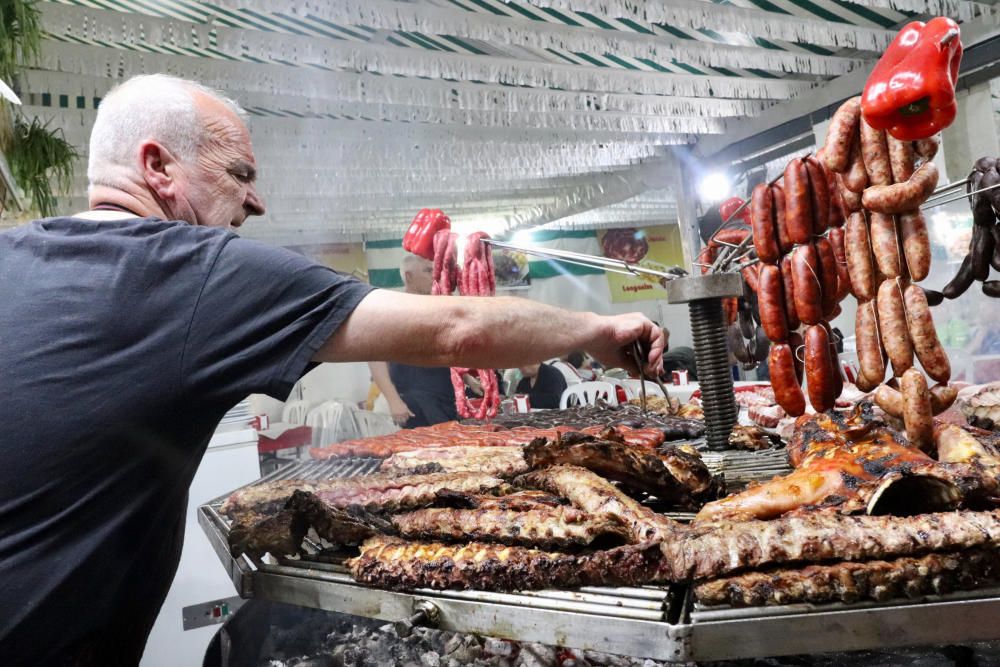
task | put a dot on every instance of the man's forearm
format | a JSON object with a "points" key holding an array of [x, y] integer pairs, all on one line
{"points": [[380, 374]]}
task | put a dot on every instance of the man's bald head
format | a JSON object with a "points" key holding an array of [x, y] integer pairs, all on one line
{"points": [[175, 149], [154, 106], [417, 274]]}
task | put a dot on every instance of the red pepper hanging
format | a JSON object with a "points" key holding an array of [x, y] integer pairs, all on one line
{"points": [[419, 238], [911, 91]]}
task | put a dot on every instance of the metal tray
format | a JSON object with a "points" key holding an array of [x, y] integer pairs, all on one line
{"points": [[659, 622]]}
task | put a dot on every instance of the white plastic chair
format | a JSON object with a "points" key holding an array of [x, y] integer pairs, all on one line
{"points": [[634, 388], [618, 382], [295, 412], [588, 393]]}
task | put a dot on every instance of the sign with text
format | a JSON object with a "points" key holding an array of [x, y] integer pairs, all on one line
{"points": [[652, 247]]}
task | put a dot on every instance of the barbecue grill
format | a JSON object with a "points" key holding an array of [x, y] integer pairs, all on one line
{"points": [[659, 622]]}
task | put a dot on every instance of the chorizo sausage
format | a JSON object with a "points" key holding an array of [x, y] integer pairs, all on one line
{"points": [[892, 326], [902, 159], [807, 289], [917, 414], [771, 303], [765, 240], [926, 345], [885, 244], [890, 400], [851, 199], [942, 396], [995, 260], [828, 275], [819, 194], [840, 254], [860, 264], [787, 391], [819, 368], [784, 241], [916, 244], [798, 203], [875, 153], [729, 235], [902, 197], [928, 148], [797, 344], [856, 176], [871, 354], [751, 276], [991, 288], [788, 282], [840, 135], [957, 285]]}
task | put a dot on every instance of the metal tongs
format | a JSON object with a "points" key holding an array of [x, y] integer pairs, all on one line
{"points": [[641, 357], [592, 261]]}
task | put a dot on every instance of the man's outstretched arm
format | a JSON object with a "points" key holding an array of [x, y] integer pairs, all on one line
{"points": [[476, 332]]}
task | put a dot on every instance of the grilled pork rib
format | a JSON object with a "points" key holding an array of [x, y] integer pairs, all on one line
{"points": [[709, 550], [397, 565], [670, 474], [849, 582], [548, 528], [275, 516], [499, 461], [599, 498]]}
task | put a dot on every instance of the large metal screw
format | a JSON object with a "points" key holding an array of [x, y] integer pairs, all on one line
{"points": [[704, 295], [425, 613]]}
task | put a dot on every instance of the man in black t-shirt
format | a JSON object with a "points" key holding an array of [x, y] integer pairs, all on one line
{"points": [[130, 329], [543, 384]]}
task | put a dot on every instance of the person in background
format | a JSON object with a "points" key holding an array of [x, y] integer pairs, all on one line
{"points": [[569, 372], [145, 319], [543, 384], [578, 360], [417, 395], [678, 359]]}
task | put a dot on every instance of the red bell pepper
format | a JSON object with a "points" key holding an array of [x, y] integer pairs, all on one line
{"points": [[730, 206], [419, 238], [911, 91]]}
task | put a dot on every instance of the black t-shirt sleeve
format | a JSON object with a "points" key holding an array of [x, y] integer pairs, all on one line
{"points": [[262, 314]]}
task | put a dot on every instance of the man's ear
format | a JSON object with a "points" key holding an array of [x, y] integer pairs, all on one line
{"points": [[156, 164]]}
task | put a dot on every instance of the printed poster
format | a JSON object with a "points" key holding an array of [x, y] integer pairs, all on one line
{"points": [[348, 258], [511, 269], [652, 247]]}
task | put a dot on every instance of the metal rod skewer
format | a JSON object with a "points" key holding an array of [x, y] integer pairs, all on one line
{"points": [[930, 204], [945, 188], [581, 259]]}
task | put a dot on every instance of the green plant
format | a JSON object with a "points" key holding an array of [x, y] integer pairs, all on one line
{"points": [[38, 156], [20, 36]]}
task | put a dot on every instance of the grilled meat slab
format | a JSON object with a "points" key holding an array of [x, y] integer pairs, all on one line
{"points": [[519, 501], [709, 550], [548, 528], [599, 498], [499, 461], [398, 565], [933, 574], [670, 474], [840, 461]]}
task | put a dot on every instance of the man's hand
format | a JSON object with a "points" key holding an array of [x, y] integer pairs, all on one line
{"points": [[399, 411], [473, 384], [616, 336]]}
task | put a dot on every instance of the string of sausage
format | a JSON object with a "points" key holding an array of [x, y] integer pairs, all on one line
{"points": [[798, 237], [474, 278], [883, 182]]}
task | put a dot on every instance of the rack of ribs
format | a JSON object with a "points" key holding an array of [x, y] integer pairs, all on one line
{"points": [[914, 576], [500, 461], [398, 565], [545, 528]]}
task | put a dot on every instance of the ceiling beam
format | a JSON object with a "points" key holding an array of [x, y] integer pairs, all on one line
{"points": [[129, 31], [729, 18], [502, 30]]}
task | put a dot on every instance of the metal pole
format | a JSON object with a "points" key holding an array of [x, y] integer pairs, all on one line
{"points": [[687, 210]]}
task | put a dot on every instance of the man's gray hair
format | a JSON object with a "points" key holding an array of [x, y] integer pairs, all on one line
{"points": [[150, 106]]}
